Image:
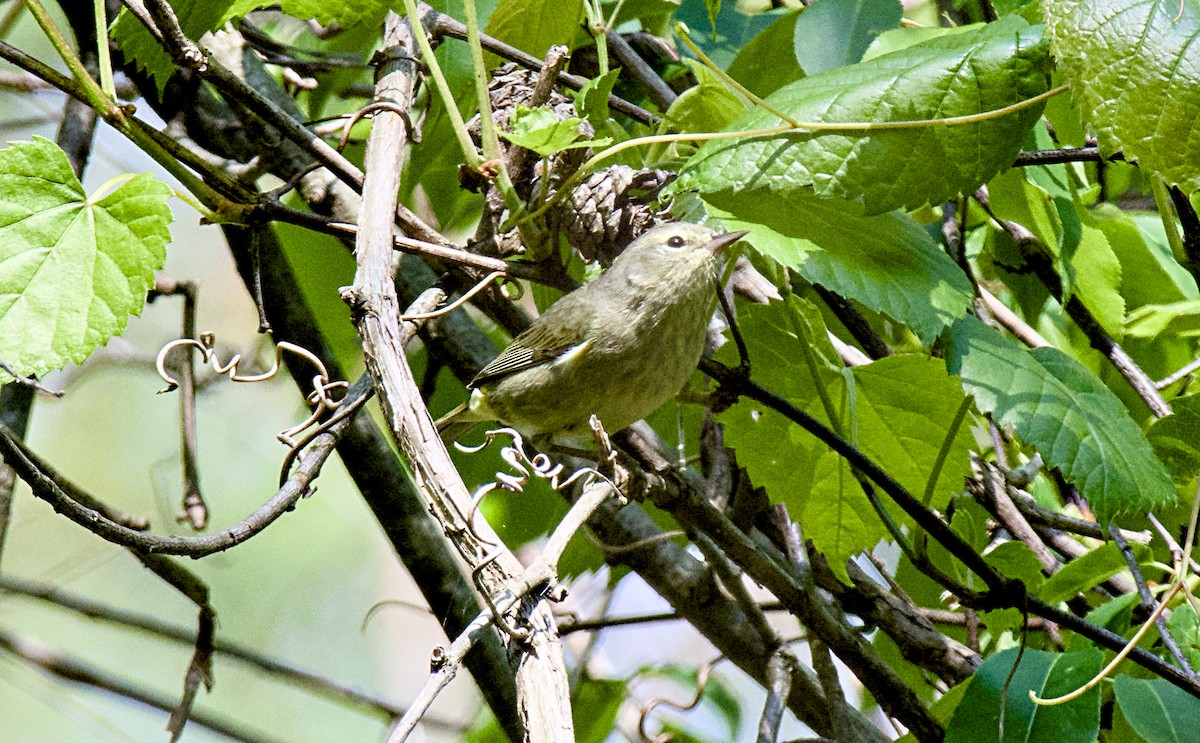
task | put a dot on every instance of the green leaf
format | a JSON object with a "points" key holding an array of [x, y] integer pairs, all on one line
{"points": [[1098, 280], [1086, 263], [592, 99], [72, 268], [594, 707], [732, 31], [833, 33], [791, 464], [1157, 710], [196, 18], [906, 408], [534, 26], [1131, 66], [1176, 438], [1057, 405], [1115, 615], [887, 262], [1151, 275], [705, 107], [1079, 575], [1014, 559], [768, 61], [903, 409], [1153, 320], [1185, 628], [345, 12], [902, 38], [541, 131], [993, 66], [977, 718], [714, 9]]}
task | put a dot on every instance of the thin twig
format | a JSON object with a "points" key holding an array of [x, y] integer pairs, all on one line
{"points": [[1177, 375], [1090, 154], [439, 24], [77, 671], [1015, 325], [997, 500], [199, 670], [29, 382], [195, 511], [1149, 604], [656, 88], [153, 625], [47, 488]]}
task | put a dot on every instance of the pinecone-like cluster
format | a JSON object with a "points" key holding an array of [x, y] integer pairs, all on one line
{"points": [[608, 210], [601, 215]]}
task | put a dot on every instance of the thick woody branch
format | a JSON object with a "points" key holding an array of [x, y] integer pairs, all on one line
{"points": [[543, 697], [541, 573]]}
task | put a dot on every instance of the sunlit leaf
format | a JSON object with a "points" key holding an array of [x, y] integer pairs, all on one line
{"points": [[72, 268]]}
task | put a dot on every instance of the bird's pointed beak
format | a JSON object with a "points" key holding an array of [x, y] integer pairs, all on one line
{"points": [[722, 241]]}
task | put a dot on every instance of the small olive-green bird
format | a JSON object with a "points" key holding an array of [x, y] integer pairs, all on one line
{"points": [[618, 347]]}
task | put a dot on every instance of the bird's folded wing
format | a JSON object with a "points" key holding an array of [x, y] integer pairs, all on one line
{"points": [[545, 341]]}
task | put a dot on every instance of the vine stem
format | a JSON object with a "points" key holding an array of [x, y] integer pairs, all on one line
{"points": [[792, 126]]}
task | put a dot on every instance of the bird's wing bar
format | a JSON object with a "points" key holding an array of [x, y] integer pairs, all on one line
{"points": [[529, 349]]}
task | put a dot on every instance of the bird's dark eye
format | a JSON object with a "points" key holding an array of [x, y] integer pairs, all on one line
{"points": [[675, 242]]}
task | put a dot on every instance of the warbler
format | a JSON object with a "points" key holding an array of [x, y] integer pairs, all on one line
{"points": [[617, 347]]}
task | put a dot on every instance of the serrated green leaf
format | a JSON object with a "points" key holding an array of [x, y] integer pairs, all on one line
{"points": [[1131, 66], [540, 130], [906, 408], [989, 68], [1090, 569], [1157, 710], [1098, 280], [768, 61], [72, 270], [534, 26], [795, 469], [833, 33], [345, 12], [977, 718], [887, 262], [592, 100], [1185, 628], [196, 18], [1057, 405], [1176, 438]]}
